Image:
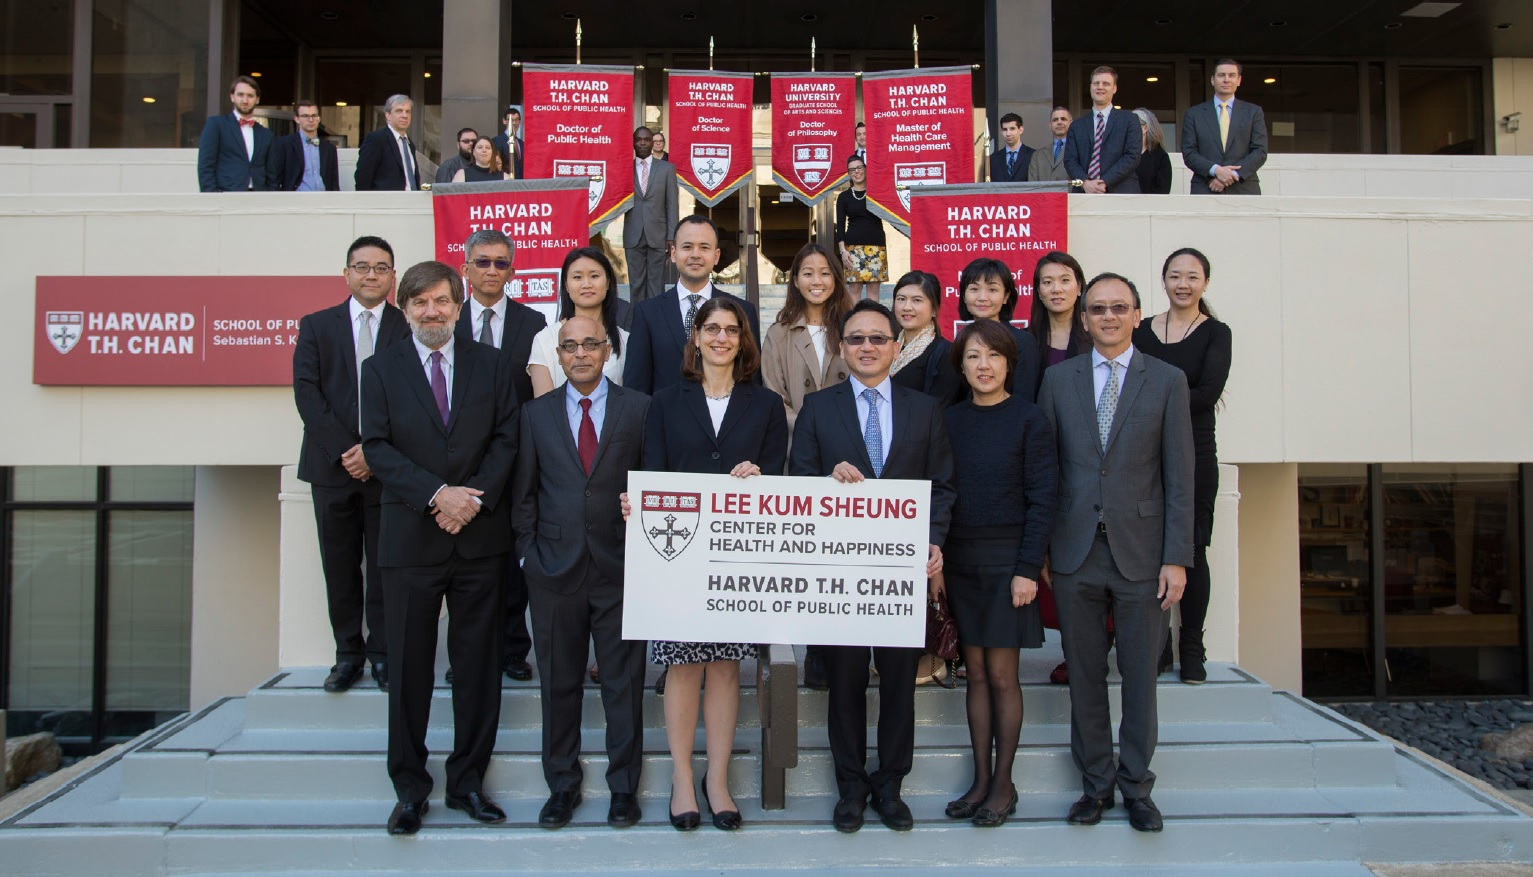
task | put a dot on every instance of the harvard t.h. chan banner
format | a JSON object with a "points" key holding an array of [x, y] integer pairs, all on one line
{"points": [[579, 124], [813, 131], [920, 133], [710, 131]]}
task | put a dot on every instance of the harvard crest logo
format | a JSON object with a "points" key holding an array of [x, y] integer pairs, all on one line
{"points": [[595, 171], [710, 164], [919, 173], [670, 520], [811, 162], [65, 329]]}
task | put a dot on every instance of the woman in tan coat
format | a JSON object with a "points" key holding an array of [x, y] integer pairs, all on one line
{"points": [[801, 353]]}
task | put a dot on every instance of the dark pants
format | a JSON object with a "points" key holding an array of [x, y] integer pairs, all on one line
{"points": [[646, 272], [563, 625], [847, 670], [1085, 598], [515, 642], [348, 534], [413, 598]]}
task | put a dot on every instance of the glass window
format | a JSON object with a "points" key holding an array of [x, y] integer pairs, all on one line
{"points": [[359, 86], [1335, 588], [149, 73], [52, 621], [149, 619], [150, 483], [1441, 111], [36, 47], [1309, 107], [53, 484]]}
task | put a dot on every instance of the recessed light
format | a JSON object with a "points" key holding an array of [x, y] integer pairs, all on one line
{"points": [[1162, 21], [1117, 106], [928, 17], [689, 16], [808, 16], [256, 74], [1503, 25], [1393, 25], [148, 100], [569, 16], [341, 103], [1152, 79], [1270, 80], [330, 16], [428, 74], [1279, 23]]}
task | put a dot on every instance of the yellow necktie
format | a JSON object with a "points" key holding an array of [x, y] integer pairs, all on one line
{"points": [[1224, 126]]}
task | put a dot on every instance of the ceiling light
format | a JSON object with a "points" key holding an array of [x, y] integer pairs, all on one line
{"points": [[809, 16], [1270, 80], [928, 17], [569, 16], [1278, 23], [256, 74], [1152, 79], [341, 103], [689, 16], [1393, 25], [330, 16], [1162, 21], [148, 100], [1503, 25], [428, 74]]}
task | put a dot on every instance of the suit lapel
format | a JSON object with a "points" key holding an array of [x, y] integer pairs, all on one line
{"points": [[694, 400], [1133, 380], [608, 424], [672, 317], [740, 400], [348, 344], [899, 425], [415, 376], [462, 373], [848, 405], [1085, 391]]}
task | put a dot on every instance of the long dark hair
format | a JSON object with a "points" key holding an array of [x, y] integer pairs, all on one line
{"points": [[1038, 322], [1208, 272], [986, 268], [835, 307], [608, 302], [930, 287]]}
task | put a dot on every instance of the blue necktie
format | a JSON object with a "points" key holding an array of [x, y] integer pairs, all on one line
{"points": [[873, 433], [1058, 144], [1011, 163]]}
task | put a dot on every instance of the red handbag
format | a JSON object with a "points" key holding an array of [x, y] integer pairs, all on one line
{"points": [[941, 630]]}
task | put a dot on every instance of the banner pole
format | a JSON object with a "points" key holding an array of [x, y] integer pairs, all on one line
{"points": [[811, 54], [915, 45], [577, 41], [710, 53]]}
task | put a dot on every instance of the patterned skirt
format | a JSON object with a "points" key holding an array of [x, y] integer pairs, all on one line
{"points": [[668, 653], [870, 264]]}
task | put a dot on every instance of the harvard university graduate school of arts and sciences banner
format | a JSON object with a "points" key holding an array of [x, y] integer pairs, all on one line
{"points": [[813, 132], [712, 558], [710, 131], [545, 219], [951, 226], [579, 123], [920, 133]]}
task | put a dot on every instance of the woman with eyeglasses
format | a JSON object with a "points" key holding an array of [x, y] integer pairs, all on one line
{"points": [[988, 291], [923, 362], [485, 167], [1191, 338], [860, 236], [658, 150], [586, 289], [715, 421]]}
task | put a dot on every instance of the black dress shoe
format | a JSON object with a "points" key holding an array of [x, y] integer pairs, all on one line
{"points": [[723, 820], [814, 671], [406, 818], [559, 809], [688, 821], [1193, 671], [984, 817], [342, 675], [1143, 814], [660, 681], [478, 807], [894, 813], [1088, 810], [848, 815], [518, 669], [381, 675], [624, 811], [448, 677]]}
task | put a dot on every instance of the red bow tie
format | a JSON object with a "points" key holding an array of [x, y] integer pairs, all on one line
{"points": [[247, 123]]}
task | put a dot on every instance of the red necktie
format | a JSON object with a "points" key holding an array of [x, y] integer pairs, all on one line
{"points": [[247, 123], [586, 447]]}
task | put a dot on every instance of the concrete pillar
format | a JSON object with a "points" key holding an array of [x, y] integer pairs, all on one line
{"points": [[1019, 66], [1221, 637], [1270, 633], [304, 638], [234, 580], [476, 66]]}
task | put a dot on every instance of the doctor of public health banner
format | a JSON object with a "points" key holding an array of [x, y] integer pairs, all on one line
{"points": [[579, 123], [712, 558]]}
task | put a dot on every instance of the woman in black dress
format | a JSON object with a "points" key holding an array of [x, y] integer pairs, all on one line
{"points": [[486, 166], [1154, 164], [1007, 478], [716, 421], [860, 236], [989, 292], [923, 362], [1191, 338]]}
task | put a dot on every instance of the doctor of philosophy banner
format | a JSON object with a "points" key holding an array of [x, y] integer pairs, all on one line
{"points": [[813, 132]]}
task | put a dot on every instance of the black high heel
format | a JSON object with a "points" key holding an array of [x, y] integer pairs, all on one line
{"points": [[723, 820], [688, 821]]}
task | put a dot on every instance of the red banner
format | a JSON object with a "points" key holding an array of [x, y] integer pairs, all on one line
{"points": [[542, 217], [173, 331], [709, 133], [579, 123], [813, 131], [954, 225], [920, 133]]}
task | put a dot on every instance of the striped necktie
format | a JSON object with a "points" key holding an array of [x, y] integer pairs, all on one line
{"points": [[1094, 171]]}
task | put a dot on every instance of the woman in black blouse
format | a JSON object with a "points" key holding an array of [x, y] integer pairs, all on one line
{"points": [[1191, 338], [923, 362], [860, 236], [1154, 164], [1055, 322]]}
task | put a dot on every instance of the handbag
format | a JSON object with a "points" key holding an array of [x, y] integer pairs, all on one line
{"points": [[941, 630]]}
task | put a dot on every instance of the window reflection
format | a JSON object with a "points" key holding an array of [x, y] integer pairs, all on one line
{"points": [[1335, 587], [155, 50]]}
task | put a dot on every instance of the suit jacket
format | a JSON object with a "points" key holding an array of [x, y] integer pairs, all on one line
{"points": [[285, 172], [503, 146], [1141, 485], [828, 433], [679, 437], [522, 325], [1018, 172], [652, 219], [222, 165], [413, 454], [1201, 148], [652, 354], [1120, 149], [380, 166], [1044, 167], [325, 387], [567, 521]]}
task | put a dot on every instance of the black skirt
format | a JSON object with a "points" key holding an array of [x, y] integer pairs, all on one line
{"points": [[978, 565]]}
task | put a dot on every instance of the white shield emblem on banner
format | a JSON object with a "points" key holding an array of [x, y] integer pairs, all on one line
{"points": [[811, 161], [65, 329], [670, 520], [710, 164], [919, 173], [595, 171]]}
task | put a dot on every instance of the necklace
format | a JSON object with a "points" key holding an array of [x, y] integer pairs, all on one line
{"points": [[1185, 332], [727, 393], [861, 197]]}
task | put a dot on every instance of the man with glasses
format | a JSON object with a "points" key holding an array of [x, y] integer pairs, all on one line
{"points": [[463, 159], [1122, 540], [509, 141], [870, 427], [332, 345], [570, 532], [303, 161]]}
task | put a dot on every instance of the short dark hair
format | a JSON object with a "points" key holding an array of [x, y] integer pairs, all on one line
{"points": [[1108, 70], [857, 158], [423, 276], [368, 240], [1240, 70], [994, 336], [927, 283], [303, 102], [513, 110], [608, 302], [1058, 107], [645, 129], [859, 125], [1108, 275], [696, 219], [987, 268], [868, 305], [747, 359], [462, 131], [245, 80], [1011, 117]]}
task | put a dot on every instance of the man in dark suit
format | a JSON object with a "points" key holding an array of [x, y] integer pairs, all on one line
{"points": [[1224, 143], [578, 444], [658, 333], [1122, 540], [439, 430], [860, 137], [647, 228], [509, 141], [386, 159], [332, 344], [870, 427], [232, 151], [493, 318], [302, 161], [1009, 163], [1102, 148]]}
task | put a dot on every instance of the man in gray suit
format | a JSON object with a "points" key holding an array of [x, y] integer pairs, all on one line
{"points": [[1122, 540], [1224, 142], [581, 442], [1048, 162], [648, 227]]}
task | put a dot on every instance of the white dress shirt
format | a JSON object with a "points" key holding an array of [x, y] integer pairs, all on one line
{"points": [[885, 392], [247, 132], [1099, 372], [573, 413], [425, 354], [356, 321], [681, 295]]}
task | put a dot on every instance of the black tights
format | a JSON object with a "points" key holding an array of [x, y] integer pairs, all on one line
{"points": [[995, 722], [1189, 638]]}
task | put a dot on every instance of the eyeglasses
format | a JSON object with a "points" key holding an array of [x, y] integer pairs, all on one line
{"points": [[482, 264], [1118, 310], [712, 330], [590, 345], [364, 268], [308, 115], [875, 340], [468, 140]]}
